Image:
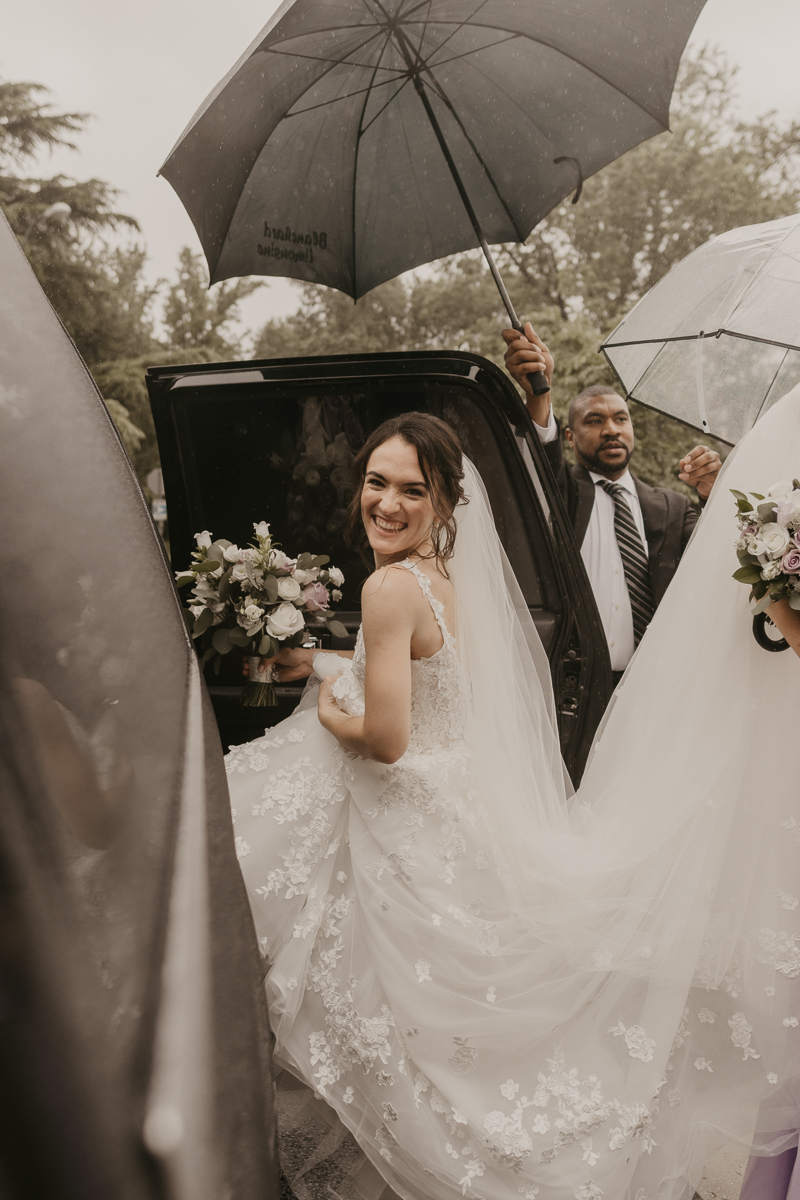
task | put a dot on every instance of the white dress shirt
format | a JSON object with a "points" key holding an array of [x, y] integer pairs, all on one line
{"points": [[603, 561]]}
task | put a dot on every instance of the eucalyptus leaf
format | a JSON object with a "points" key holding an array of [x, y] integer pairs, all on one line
{"points": [[205, 568], [338, 629], [305, 561], [203, 622], [239, 637], [271, 587], [747, 560], [319, 560], [207, 655], [224, 588], [760, 589], [762, 605], [766, 512], [184, 579], [748, 575], [189, 618], [757, 495], [266, 647], [221, 640]]}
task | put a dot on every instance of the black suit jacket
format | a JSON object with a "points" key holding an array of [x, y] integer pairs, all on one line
{"points": [[669, 518]]}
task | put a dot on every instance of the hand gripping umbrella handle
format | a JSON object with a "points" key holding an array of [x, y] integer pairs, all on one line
{"points": [[537, 379]]}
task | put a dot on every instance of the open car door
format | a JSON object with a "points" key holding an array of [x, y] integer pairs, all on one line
{"points": [[272, 440]]}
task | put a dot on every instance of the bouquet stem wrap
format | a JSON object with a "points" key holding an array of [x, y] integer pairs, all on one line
{"points": [[259, 691]]}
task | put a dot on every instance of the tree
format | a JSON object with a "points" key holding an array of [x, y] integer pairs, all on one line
{"points": [[645, 212], [196, 318], [96, 288]]}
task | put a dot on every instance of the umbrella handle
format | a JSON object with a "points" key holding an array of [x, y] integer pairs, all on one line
{"points": [[537, 379]]}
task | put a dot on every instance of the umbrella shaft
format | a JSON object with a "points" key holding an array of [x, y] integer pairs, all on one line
{"points": [[462, 191]]}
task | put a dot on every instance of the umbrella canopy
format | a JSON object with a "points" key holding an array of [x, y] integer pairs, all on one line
{"points": [[356, 139], [717, 341]]}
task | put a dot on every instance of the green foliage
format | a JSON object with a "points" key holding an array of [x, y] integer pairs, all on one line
{"points": [[199, 319], [645, 212], [124, 379]]}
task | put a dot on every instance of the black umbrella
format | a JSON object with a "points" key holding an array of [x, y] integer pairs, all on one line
{"points": [[357, 139]]}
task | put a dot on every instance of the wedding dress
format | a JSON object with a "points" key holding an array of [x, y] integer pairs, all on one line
{"points": [[503, 991]]}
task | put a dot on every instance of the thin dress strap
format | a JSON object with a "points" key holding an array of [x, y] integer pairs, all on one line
{"points": [[436, 605]]}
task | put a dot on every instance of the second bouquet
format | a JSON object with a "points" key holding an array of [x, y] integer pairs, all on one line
{"points": [[259, 600]]}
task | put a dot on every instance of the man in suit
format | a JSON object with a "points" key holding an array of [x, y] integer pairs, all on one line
{"points": [[631, 535]]}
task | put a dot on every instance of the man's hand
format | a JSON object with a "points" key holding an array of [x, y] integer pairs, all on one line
{"points": [[524, 356], [699, 468]]}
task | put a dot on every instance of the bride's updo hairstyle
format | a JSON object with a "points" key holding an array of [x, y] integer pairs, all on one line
{"points": [[440, 459]]}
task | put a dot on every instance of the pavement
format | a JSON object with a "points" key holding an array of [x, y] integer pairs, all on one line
{"points": [[722, 1178]]}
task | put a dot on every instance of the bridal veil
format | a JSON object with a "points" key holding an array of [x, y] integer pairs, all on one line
{"points": [[654, 940]]}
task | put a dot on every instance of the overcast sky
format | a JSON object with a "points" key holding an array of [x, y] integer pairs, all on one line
{"points": [[142, 69]]}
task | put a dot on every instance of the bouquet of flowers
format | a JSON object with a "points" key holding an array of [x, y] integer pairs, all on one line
{"points": [[768, 545], [259, 600]]}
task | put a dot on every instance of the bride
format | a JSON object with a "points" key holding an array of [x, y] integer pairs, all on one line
{"points": [[499, 989]]}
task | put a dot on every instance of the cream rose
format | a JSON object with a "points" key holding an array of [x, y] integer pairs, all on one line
{"points": [[252, 614], [231, 554], [285, 621], [305, 577], [775, 539], [288, 588]]}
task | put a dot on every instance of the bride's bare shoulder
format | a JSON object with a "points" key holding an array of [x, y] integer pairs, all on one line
{"points": [[390, 584]]}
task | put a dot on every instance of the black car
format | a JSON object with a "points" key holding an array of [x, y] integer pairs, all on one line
{"points": [[272, 440]]}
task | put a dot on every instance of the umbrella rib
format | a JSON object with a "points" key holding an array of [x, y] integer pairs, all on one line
{"points": [[298, 112], [692, 337], [571, 57], [383, 108], [358, 148], [446, 101]]}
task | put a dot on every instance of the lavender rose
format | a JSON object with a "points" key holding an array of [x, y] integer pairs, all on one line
{"points": [[790, 563], [315, 597]]}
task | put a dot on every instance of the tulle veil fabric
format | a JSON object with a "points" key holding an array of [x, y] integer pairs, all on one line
{"points": [[658, 909], [639, 1003]]}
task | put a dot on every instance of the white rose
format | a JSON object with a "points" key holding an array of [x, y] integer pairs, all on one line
{"points": [[335, 576], [306, 577], [779, 490], [755, 546], [252, 614], [288, 588], [285, 621], [280, 560], [231, 554], [261, 528], [203, 539], [775, 538], [239, 572]]}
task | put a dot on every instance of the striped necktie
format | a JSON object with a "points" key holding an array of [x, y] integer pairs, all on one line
{"points": [[634, 560]]}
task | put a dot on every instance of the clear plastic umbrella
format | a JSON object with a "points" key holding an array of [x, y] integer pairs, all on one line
{"points": [[356, 139], [717, 341]]}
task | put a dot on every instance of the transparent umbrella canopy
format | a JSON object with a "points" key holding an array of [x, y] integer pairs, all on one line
{"points": [[717, 341]]}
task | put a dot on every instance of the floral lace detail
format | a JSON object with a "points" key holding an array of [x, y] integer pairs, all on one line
{"points": [[348, 687], [741, 1032], [251, 756], [295, 790], [780, 951], [639, 1045]]}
